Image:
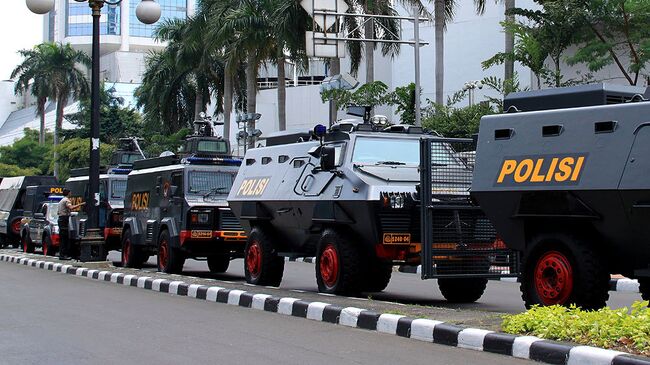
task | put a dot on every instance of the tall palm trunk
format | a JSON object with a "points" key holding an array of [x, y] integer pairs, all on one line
{"points": [[41, 113], [510, 43], [227, 103], [439, 19], [251, 94], [282, 95], [335, 69], [61, 101], [198, 104], [370, 46]]}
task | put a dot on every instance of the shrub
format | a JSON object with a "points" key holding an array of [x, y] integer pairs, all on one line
{"points": [[622, 329]]}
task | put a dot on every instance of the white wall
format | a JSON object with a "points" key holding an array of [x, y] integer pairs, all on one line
{"points": [[8, 101]]}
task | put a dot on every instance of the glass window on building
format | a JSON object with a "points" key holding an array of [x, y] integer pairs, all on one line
{"points": [[79, 21], [170, 9]]}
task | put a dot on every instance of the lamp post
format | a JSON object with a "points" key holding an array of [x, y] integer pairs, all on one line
{"points": [[471, 87], [148, 12]]}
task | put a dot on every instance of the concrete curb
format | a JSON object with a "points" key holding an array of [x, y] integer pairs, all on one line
{"points": [[427, 330]]}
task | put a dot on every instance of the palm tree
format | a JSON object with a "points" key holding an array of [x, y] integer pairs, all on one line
{"points": [[443, 11], [509, 64], [31, 79], [55, 71]]}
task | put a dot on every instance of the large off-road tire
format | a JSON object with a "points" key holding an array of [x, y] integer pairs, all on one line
{"points": [[262, 265], [377, 276], [48, 248], [644, 288], [27, 244], [564, 269], [170, 259], [339, 265], [218, 263], [131, 254], [462, 290]]}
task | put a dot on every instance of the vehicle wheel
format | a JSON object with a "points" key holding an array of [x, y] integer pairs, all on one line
{"points": [[48, 248], [218, 263], [563, 269], [28, 245], [462, 290], [262, 266], [644, 288], [339, 268], [170, 260], [131, 255], [377, 276]]}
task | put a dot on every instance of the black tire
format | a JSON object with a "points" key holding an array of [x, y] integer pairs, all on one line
{"points": [[377, 276], [644, 288], [339, 267], [170, 260], [27, 244], [262, 265], [564, 269], [218, 263], [131, 254], [48, 247], [462, 290]]}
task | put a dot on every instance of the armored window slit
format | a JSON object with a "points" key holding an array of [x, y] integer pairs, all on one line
{"points": [[605, 127], [250, 161], [283, 158], [552, 130], [504, 133], [266, 160]]}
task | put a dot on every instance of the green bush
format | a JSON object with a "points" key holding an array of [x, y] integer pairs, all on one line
{"points": [[455, 122], [621, 329]]}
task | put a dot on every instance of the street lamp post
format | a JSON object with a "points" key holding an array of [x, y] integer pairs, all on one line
{"points": [[148, 12], [471, 87]]}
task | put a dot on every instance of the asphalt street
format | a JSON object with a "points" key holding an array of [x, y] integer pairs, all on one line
{"points": [[502, 297], [52, 318]]}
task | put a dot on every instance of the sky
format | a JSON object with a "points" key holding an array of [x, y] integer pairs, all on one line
{"points": [[19, 29]]}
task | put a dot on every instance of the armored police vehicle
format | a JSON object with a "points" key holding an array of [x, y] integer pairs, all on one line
{"points": [[40, 227], [112, 187], [175, 206], [564, 179], [349, 198], [12, 204]]}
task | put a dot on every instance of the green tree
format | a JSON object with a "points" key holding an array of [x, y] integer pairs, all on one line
{"points": [[454, 122], [73, 153], [370, 94], [27, 153], [116, 121], [13, 170], [404, 100]]}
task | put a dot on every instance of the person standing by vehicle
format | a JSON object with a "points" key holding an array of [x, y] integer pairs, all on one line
{"points": [[64, 210]]}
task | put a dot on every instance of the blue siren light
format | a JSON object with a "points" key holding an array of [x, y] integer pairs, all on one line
{"points": [[213, 161], [118, 171], [55, 198], [320, 130]]}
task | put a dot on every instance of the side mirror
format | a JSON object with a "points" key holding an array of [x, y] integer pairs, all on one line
{"points": [[39, 216], [327, 160]]}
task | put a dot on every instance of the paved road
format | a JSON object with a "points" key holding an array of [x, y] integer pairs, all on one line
{"points": [[50, 318], [503, 297]]}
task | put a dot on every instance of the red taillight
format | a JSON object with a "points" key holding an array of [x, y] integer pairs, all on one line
{"points": [[15, 226], [499, 244]]}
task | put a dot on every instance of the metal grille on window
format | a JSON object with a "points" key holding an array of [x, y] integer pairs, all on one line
{"points": [[458, 239]]}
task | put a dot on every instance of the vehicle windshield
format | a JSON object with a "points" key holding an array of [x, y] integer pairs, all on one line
{"points": [[204, 182], [213, 146], [395, 152], [118, 189], [130, 158]]}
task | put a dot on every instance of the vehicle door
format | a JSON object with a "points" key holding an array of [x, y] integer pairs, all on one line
{"points": [[37, 223]]}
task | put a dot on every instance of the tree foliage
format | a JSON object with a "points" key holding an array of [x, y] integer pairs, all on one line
{"points": [[26, 155], [75, 153], [455, 122]]}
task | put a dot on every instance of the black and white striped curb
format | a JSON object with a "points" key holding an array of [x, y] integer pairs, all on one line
{"points": [[427, 330]]}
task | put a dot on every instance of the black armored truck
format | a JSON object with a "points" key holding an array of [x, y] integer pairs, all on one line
{"points": [[13, 193], [349, 196], [564, 178], [175, 206]]}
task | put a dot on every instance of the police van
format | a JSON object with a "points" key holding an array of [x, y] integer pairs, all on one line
{"points": [[175, 207], [40, 226]]}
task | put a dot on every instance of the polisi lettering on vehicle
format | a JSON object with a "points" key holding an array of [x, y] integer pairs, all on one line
{"points": [[563, 169], [140, 200], [56, 190], [253, 186]]}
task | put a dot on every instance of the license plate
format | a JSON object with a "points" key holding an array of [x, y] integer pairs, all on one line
{"points": [[397, 238], [201, 234]]}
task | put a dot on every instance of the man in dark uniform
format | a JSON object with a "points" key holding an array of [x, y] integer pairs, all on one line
{"points": [[65, 209]]}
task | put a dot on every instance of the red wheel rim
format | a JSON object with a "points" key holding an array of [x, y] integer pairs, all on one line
{"points": [[163, 255], [329, 266], [24, 244], [553, 278], [254, 259], [126, 251]]}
